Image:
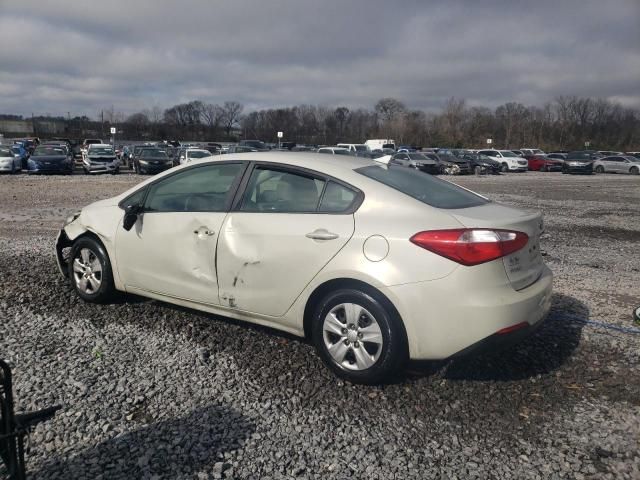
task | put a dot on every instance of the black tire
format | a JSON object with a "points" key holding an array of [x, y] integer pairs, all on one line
{"points": [[136, 169], [106, 290], [504, 168], [394, 350], [599, 169], [477, 170], [634, 171], [544, 169]]}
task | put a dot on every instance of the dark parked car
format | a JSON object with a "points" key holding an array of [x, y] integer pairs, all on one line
{"points": [[580, 161], [151, 161], [543, 163], [241, 149], [451, 165], [50, 159], [419, 161], [481, 164], [257, 145]]}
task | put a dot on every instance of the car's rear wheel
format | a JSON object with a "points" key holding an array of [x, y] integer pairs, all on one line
{"points": [[359, 336], [599, 169], [90, 271], [504, 168], [634, 171]]}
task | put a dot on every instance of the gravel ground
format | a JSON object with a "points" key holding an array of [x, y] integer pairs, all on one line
{"points": [[154, 391]]}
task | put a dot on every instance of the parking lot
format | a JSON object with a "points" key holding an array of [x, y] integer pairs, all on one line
{"points": [[151, 390]]}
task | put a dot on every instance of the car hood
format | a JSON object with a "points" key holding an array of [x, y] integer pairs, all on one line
{"points": [[154, 159]]}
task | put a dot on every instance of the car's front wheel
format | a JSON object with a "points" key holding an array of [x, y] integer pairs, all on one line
{"points": [[504, 168], [599, 169], [634, 171], [359, 336], [90, 271]]}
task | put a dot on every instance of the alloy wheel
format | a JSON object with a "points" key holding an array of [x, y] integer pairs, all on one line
{"points": [[87, 271], [352, 336]]}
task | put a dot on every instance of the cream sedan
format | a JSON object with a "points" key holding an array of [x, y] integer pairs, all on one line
{"points": [[376, 264]]}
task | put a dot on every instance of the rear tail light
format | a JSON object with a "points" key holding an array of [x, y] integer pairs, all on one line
{"points": [[471, 246]]}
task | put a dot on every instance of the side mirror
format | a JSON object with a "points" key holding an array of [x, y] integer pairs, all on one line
{"points": [[131, 213]]}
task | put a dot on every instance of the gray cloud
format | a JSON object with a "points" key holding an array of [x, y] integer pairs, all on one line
{"points": [[79, 57]]}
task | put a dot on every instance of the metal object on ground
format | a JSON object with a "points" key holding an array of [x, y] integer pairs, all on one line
{"points": [[13, 428]]}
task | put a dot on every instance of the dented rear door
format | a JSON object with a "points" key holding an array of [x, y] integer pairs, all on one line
{"points": [[265, 260]]}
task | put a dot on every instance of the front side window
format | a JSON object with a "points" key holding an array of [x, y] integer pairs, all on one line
{"points": [[202, 189], [281, 191]]}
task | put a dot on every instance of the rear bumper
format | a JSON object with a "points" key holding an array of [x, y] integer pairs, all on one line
{"points": [[447, 317]]}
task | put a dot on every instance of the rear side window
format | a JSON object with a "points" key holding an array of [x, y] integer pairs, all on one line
{"points": [[336, 198], [423, 187]]}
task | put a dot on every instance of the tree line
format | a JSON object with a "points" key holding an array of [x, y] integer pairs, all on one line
{"points": [[566, 123]]}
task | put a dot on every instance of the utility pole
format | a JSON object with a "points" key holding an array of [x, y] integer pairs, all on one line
{"points": [[101, 123]]}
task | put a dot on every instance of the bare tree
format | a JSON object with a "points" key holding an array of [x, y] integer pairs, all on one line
{"points": [[232, 113]]}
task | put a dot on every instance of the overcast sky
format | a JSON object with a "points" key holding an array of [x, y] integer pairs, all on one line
{"points": [[82, 56]]}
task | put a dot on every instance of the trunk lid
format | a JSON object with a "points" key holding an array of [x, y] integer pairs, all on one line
{"points": [[525, 266]]}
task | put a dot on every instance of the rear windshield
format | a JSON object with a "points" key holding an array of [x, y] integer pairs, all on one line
{"points": [[423, 187]]}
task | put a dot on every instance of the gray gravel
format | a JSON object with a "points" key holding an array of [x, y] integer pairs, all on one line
{"points": [[155, 391]]}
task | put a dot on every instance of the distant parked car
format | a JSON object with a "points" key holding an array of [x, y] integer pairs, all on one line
{"points": [[419, 161], [543, 163], [530, 151], [256, 145], [100, 158], [617, 164], [481, 164], [509, 161], [335, 151], [609, 153], [580, 161], [355, 148], [151, 161], [50, 159], [241, 149], [633, 154], [451, 165], [189, 154], [9, 161], [557, 156], [518, 153]]}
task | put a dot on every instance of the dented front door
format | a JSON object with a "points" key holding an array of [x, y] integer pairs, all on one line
{"points": [[172, 253]]}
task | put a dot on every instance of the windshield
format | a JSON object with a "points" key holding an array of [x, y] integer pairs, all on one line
{"points": [[148, 153], [417, 156], [101, 151], [198, 154], [507, 153], [254, 144], [44, 151], [423, 187], [361, 148]]}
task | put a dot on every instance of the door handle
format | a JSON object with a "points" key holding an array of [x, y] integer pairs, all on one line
{"points": [[204, 231], [322, 234]]}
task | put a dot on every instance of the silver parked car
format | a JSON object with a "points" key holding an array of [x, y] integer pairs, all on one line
{"points": [[617, 164]]}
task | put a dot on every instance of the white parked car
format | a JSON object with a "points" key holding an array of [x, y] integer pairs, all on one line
{"points": [[308, 244], [100, 158], [9, 161], [509, 161], [335, 151], [617, 164], [190, 154], [355, 148]]}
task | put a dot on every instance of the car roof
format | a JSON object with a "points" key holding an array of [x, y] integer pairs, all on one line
{"points": [[100, 145]]}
